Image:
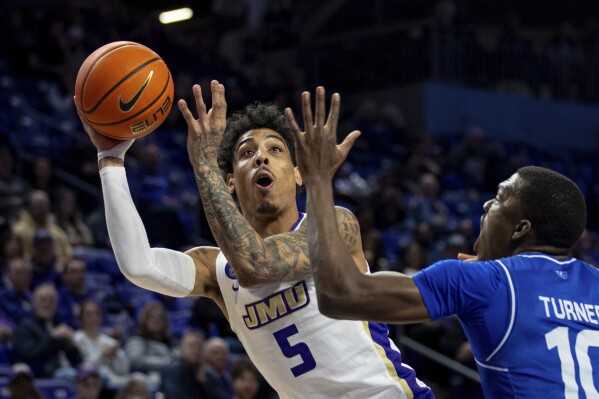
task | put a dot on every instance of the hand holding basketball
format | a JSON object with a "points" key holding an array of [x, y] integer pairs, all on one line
{"points": [[124, 90], [101, 142]]}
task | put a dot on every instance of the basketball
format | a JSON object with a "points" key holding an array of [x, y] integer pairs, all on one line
{"points": [[124, 90]]}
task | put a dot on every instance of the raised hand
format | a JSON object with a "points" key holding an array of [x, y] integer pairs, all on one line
{"points": [[204, 134], [318, 154]]}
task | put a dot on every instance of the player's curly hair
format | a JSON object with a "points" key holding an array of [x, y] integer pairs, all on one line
{"points": [[554, 204], [257, 116]]}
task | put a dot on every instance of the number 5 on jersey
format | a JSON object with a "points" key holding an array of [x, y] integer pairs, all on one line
{"points": [[300, 349]]}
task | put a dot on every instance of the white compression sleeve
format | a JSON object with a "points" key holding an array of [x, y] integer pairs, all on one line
{"points": [[158, 269]]}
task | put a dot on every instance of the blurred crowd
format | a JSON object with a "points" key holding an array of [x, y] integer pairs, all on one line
{"points": [[68, 314], [529, 54]]}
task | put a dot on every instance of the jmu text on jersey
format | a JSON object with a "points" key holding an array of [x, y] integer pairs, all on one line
{"points": [[279, 304]]}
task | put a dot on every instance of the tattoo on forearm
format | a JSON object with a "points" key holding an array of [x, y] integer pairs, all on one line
{"points": [[283, 259], [291, 254]]}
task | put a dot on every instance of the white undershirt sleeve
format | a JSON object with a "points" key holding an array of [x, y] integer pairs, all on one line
{"points": [[161, 270]]}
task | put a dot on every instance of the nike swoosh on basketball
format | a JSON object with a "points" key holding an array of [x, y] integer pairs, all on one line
{"points": [[126, 106]]}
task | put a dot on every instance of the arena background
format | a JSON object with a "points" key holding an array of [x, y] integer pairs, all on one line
{"points": [[451, 98]]}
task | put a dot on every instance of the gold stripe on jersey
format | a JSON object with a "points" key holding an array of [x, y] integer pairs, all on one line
{"points": [[388, 364]]}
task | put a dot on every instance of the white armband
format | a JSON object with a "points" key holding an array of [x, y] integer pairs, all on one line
{"points": [[118, 151], [161, 270]]}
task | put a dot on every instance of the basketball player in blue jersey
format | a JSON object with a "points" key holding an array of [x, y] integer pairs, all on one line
{"points": [[261, 280], [529, 310]]}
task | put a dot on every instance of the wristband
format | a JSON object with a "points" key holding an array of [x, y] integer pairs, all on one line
{"points": [[118, 151]]}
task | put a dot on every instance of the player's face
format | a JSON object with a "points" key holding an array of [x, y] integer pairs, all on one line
{"points": [[499, 222], [263, 177]]}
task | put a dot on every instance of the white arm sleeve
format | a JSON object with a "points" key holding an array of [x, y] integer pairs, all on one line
{"points": [[157, 269]]}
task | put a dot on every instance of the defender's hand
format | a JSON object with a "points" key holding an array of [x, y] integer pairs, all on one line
{"points": [[205, 133], [317, 152]]}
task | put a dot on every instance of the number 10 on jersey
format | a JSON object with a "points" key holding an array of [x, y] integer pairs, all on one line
{"points": [[585, 339]]}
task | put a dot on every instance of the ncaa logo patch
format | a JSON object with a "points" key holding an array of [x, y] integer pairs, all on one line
{"points": [[229, 272]]}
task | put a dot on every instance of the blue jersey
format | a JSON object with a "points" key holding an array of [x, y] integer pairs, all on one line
{"points": [[532, 322]]}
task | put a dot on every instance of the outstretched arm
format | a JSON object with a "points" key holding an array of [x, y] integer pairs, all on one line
{"points": [[157, 269], [343, 292], [256, 261]]}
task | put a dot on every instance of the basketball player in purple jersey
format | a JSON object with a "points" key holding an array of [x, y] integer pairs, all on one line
{"points": [[261, 280]]}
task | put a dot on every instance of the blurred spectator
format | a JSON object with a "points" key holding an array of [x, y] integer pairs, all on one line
{"points": [[16, 294], [72, 291], [43, 342], [96, 221], [137, 387], [88, 384], [387, 203], [59, 94], [155, 198], [246, 379], [515, 51], [218, 374], [279, 26], [372, 245], [496, 168], [455, 244], [368, 121], [424, 235], [13, 188], [565, 54], [587, 248], [185, 377], [7, 327], [37, 216], [10, 247], [43, 177], [151, 348], [99, 349], [350, 185], [466, 229], [425, 206], [44, 261], [412, 258], [21, 383], [468, 155], [416, 164], [68, 217]]}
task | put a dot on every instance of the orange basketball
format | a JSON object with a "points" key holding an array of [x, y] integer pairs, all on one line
{"points": [[124, 90]]}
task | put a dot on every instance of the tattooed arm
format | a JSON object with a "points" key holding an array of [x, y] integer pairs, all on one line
{"points": [[343, 292], [256, 261], [289, 251]]}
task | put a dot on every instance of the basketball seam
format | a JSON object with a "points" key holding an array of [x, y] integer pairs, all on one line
{"points": [[141, 111], [113, 88], [89, 70]]}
